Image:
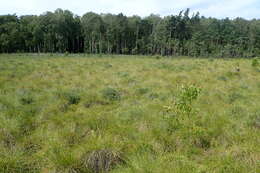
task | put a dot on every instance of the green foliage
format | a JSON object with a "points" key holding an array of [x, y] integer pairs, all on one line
{"points": [[62, 31], [187, 95]]}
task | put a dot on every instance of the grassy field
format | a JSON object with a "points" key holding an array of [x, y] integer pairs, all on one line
{"points": [[125, 114]]}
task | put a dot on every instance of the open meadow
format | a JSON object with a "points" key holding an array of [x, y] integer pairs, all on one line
{"points": [[128, 114]]}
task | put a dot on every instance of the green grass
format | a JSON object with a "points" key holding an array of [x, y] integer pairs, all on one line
{"points": [[122, 114]]}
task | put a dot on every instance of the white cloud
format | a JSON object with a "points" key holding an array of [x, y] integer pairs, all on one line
{"points": [[231, 8], [214, 8]]}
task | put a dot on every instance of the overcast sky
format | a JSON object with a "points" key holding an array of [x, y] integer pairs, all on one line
{"points": [[215, 8]]}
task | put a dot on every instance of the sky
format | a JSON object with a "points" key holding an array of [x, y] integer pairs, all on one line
{"points": [[248, 9]]}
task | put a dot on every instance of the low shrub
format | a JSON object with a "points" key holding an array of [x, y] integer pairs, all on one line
{"points": [[187, 96]]}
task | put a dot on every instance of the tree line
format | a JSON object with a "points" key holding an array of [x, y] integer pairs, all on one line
{"points": [[183, 34]]}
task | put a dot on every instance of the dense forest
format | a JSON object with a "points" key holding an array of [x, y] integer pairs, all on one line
{"points": [[183, 34]]}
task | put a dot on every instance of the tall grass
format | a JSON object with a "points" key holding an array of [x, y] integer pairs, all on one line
{"points": [[79, 113]]}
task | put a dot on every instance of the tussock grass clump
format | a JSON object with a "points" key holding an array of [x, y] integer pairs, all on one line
{"points": [[72, 96], [94, 100], [7, 139], [101, 161], [201, 138], [234, 96], [111, 94], [27, 98], [254, 120]]}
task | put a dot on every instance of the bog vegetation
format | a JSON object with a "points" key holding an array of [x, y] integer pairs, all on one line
{"points": [[82, 114], [183, 34]]}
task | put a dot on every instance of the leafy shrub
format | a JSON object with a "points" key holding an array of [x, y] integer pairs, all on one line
{"points": [[190, 93], [187, 96], [111, 94]]}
